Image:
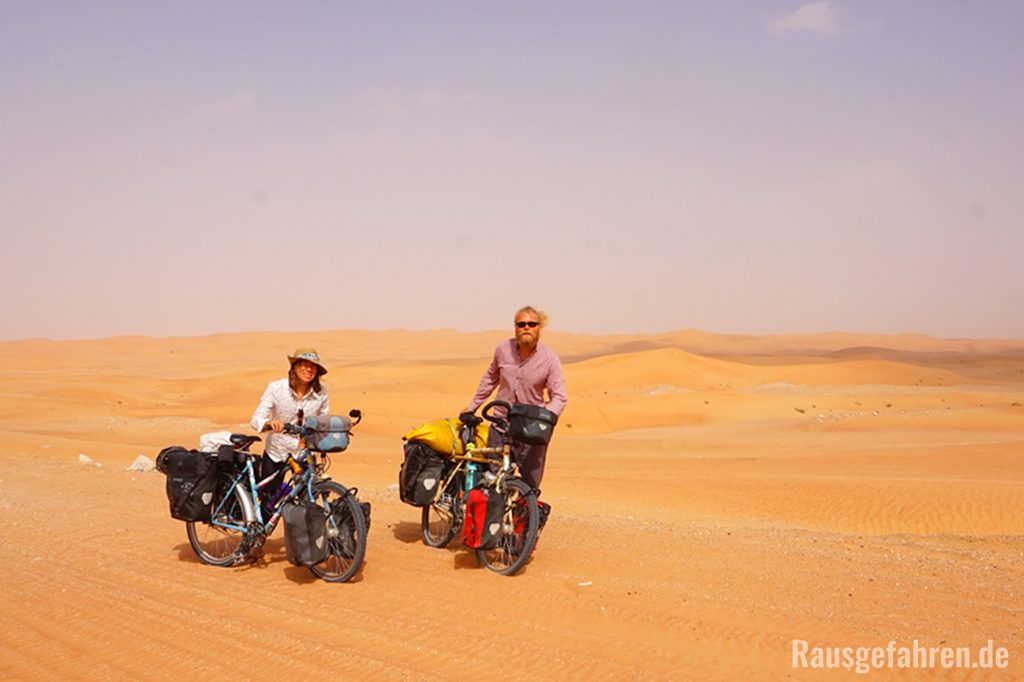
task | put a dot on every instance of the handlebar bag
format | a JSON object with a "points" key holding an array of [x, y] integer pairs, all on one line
{"points": [[191, 482], [531, 424], [326, 433], [422, 472], [305, 533]]}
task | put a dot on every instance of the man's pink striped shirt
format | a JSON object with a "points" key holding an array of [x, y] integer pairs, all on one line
{"points": [[523, 381]]}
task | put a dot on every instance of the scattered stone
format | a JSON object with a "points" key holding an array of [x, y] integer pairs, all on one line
{"points": [[585, 583], [142, 463], [86, 459], [393, 488]]}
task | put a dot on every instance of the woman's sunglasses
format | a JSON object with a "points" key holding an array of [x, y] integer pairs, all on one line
{"points": [[527, 323]]}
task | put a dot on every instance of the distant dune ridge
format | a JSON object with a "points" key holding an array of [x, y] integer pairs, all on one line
{"points": [[715, 496]]}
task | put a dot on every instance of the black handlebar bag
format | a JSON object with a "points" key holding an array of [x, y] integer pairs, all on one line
{"points": [[531, 424]]}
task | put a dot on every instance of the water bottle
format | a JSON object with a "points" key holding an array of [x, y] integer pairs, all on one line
{"points": [[468, 440]]}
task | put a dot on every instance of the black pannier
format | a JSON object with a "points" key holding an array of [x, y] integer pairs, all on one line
{"points": [[365, 506], [422, 472], [531, 424], [191, 482], [305, 533]]}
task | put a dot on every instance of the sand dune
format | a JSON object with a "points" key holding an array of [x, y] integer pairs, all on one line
{"points": [[715, 497]]}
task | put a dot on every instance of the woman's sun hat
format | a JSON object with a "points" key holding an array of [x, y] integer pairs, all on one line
{"points": [[310, 355]]}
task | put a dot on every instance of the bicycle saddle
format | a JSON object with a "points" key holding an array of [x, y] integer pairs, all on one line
{"points": [[242, 441]]}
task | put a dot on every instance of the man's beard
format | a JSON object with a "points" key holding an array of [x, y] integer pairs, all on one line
{"points": [[528, 342]]}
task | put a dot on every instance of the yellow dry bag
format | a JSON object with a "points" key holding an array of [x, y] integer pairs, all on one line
{"points": [[443, 436]]}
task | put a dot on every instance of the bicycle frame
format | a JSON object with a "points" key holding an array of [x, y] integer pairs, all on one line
{"points": [[293, 487], [475, 455]]}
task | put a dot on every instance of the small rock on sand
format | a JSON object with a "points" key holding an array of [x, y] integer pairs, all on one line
{"points": [[142, 463], [86, 459]]}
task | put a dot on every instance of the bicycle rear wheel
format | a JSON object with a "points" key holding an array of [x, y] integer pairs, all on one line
{"points": [[219, 541], [519, 531], [346, 533]]}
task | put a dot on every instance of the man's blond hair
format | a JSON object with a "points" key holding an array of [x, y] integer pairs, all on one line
{"points": [[542, 316]]}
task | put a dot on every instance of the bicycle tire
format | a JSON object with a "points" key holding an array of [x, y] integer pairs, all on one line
{"points": [[346, 533], [519, 531], [213, 541], [438, 526], [441, 519]]}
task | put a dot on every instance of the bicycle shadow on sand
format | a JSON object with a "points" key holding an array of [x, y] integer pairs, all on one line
{"points": [[412, 533], [271, 555], [407, 532]]}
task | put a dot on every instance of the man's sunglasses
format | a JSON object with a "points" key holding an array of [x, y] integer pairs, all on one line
{"points": [[527, 323]]}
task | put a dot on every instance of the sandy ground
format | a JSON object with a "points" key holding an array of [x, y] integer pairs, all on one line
{"points": [[714, 498]]}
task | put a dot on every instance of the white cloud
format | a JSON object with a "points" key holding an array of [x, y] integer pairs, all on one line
{"points": [[814, 17]]}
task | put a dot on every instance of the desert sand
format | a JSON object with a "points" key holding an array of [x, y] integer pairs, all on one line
{"points": [[714, 498]]}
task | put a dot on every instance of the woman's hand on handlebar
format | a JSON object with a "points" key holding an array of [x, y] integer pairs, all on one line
{"points": [[278, 426]]}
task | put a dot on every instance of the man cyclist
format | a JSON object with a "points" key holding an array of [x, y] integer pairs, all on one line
{"points": [[522, 369]]}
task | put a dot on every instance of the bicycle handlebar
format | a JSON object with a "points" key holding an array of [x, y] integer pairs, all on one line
{"points": [[296, 429], [487, 410]]}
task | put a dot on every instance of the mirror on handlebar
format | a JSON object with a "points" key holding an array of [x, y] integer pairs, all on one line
{"points": [[356, 415]]}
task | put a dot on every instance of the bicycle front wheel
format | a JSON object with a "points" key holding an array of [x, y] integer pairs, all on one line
{"points": [[346, 533], [439, 524], [519, 529], [442, 518], [219, 541]]}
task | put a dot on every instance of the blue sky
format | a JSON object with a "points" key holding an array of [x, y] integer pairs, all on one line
{"points": [[752, 167]]}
